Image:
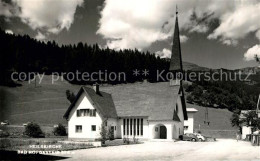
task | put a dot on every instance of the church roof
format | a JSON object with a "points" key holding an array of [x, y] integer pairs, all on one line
{"points": [[176, 59], [155, 101]]}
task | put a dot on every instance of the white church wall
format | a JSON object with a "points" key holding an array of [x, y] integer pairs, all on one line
{"points": [[86, 122]]}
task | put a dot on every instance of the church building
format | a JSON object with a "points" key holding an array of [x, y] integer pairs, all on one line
{"points": [[144, 111]]}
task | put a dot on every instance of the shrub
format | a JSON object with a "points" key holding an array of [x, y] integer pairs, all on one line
{"points": [[33, 130], [135, 140], [126, 140], [110, 134], [60, 130], [103, 133]]}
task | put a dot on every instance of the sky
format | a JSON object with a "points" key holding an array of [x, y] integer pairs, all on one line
{"points": [[213, 33]]}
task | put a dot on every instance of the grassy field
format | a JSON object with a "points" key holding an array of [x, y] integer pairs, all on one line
{"points": [[219, 127], [46, 103]]}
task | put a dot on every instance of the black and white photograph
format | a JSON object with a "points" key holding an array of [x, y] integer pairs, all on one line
{"points": [[129, 80]]}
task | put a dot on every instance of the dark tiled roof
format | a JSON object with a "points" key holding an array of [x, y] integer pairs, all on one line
{"points": [[176, 59], [156, 101], [102, 101]]}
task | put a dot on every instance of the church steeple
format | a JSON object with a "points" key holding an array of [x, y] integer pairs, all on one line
{"points": [[176, 59]]}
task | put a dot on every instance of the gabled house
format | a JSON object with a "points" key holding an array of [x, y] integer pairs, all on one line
{"points": [[147, 111], [189, 124]]}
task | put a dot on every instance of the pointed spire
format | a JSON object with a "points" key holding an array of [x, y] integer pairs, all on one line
{"points": [[176, 59]]}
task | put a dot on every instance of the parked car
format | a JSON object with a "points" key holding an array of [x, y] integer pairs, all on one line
{"points": [[5, 122], [200, 137], [189, 137]]}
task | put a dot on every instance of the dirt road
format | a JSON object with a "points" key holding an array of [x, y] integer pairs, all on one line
{"points": [[223, 149]]}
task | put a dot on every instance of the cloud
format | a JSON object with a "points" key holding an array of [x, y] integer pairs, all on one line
{"points": [[9, 32], [5, 9], [49, 15], [236, 25], [134, 23], [252, 52], [165, 53], [183, 38], [199, 29], [137, 24], [40, 36]]}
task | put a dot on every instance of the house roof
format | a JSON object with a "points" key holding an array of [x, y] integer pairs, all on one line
{"points": [[102, 101], [154, 100]]}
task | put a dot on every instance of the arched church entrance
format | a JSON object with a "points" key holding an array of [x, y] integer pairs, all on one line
{"points": [[160, 131]]}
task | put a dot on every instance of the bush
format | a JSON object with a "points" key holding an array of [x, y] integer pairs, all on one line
{"points": [[103, 133], [110, 134], [126, 140], [33, 130], [60, 130]]}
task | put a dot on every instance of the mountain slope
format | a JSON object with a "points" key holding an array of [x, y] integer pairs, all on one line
{"points": [[47, 103], [193, 67]]}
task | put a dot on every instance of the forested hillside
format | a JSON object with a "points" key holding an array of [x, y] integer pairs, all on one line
{"points": [[24, 54], [225, 95]]}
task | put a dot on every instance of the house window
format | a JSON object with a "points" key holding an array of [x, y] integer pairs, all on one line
{"points": [[86, 112], [93, 128], [137, 126], [134, 127], [124, 127], [131, 132], [93, 112], [78, 113], [78, 129], [141, 127], [186, 127], [127, 126]]}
